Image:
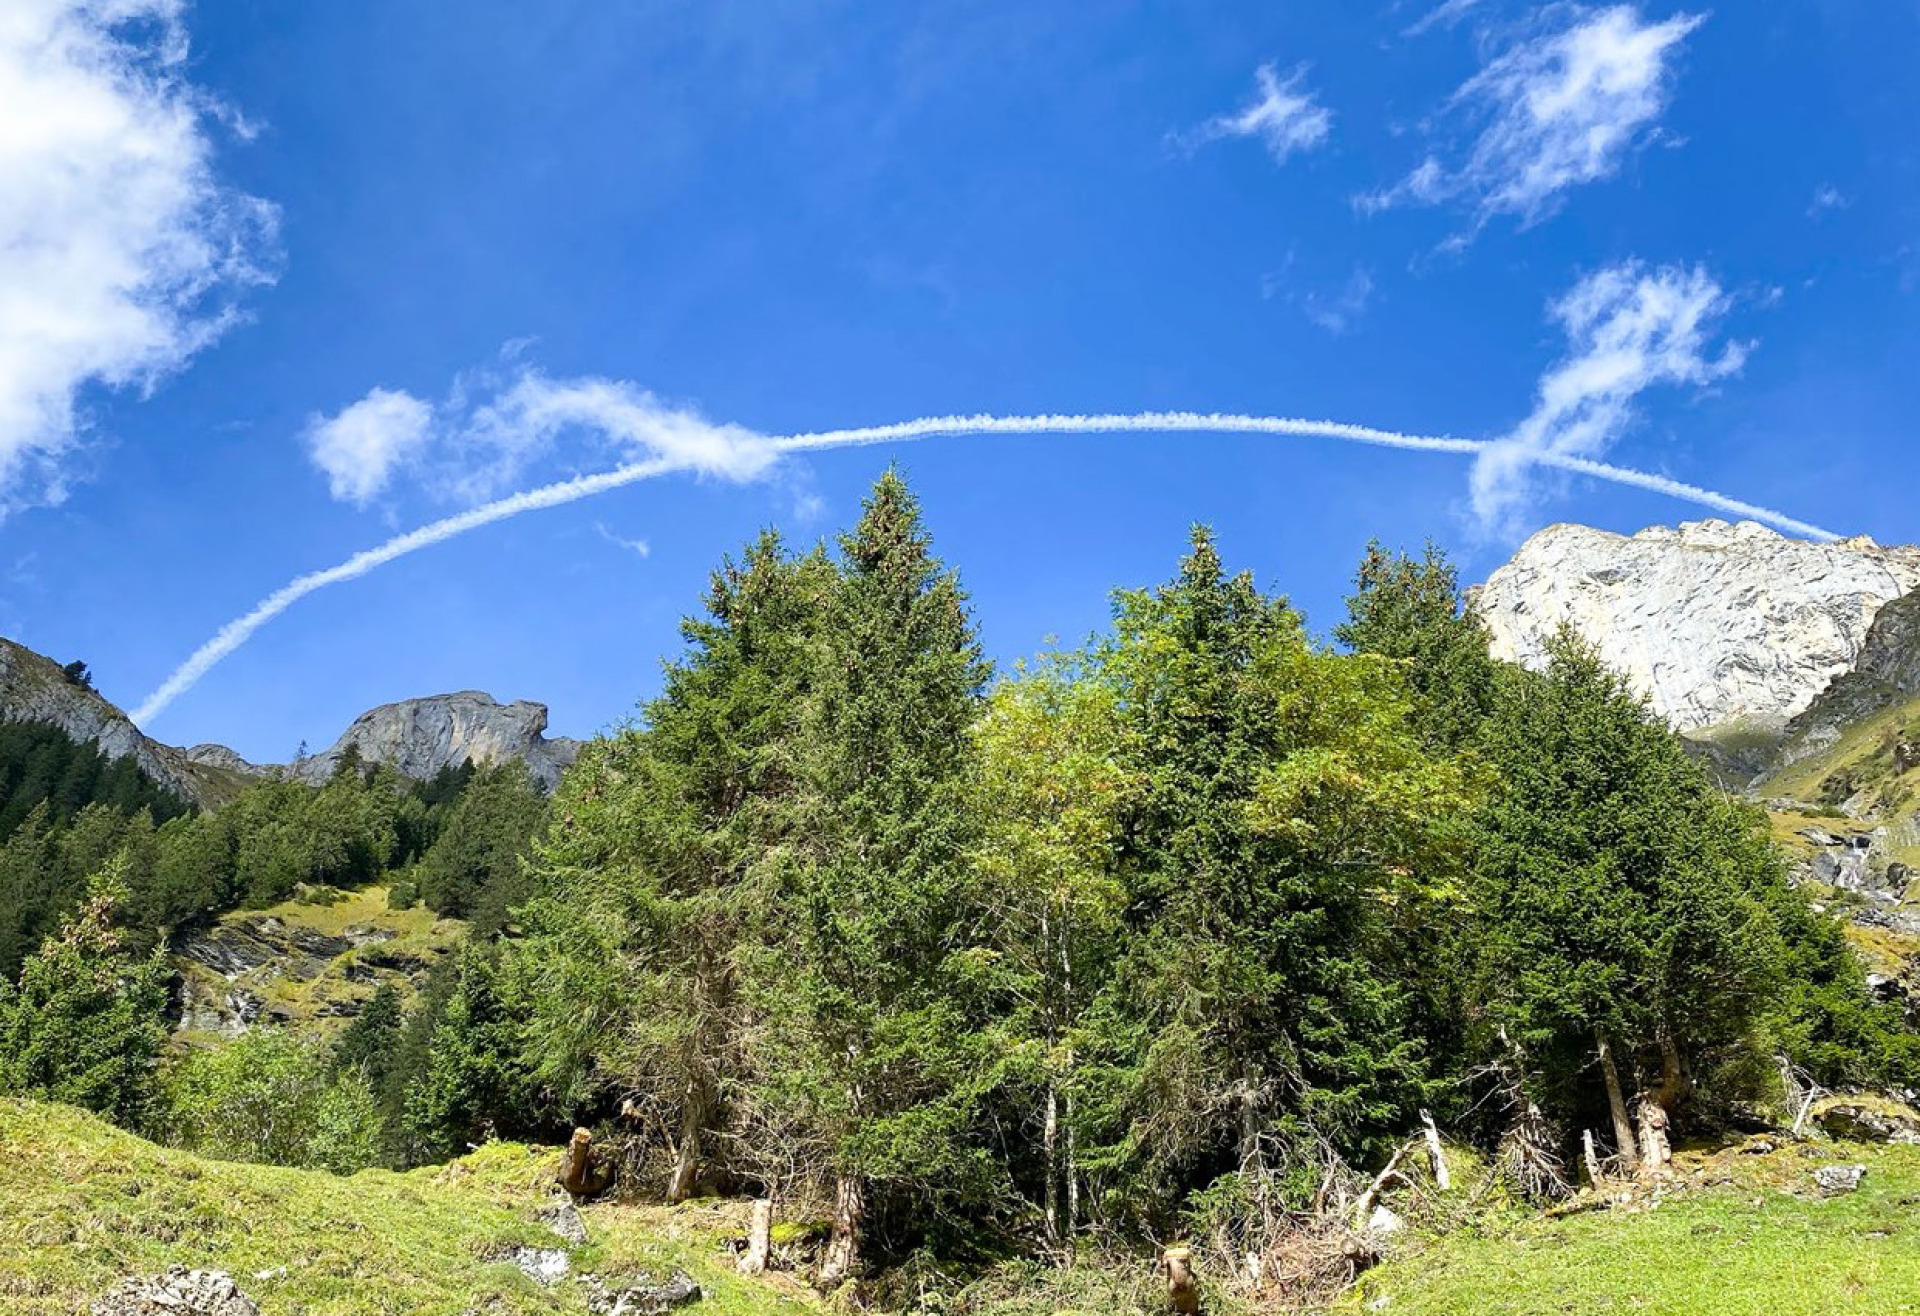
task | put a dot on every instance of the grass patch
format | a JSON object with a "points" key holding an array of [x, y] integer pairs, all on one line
{"points": [[83, 1204], [1748, 1234]]}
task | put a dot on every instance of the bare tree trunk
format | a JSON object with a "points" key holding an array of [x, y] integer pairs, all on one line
{"points": [[1674, 1083], [1617, 1105], [759, 1238], [1073, 1176], [686, 1161], [1253, 1158], [1050, 1142], [1436, 1154], [1655, 1151], [843, 1245], [1592, 1156]]}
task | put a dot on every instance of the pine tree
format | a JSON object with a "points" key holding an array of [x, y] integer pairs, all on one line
{"points": [[1623, 930], [1288, 804], [652, 873], [1411, 611], [85, 1024], [871, 1023]]}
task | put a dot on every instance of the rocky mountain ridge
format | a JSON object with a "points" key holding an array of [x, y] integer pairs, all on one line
{"points": [[1725, 627], [416, 737], [419, 737]]}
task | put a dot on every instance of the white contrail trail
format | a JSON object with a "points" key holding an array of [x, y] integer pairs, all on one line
{"points": [[238, 631]]}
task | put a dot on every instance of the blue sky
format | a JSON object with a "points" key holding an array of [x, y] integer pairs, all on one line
{"points": [[278, 282]]}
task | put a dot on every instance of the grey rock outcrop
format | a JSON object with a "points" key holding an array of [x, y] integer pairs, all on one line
{"points": [[419, 737], [236, 973], [1720, 625], [219, 756], [179, 1292], [34, 689]]}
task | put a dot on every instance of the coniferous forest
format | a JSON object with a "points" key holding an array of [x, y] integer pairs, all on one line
{"points": [[1183, 934]]}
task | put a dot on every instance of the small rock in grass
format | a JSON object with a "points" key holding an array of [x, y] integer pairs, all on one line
{"points": [[542, 1265], [179, 1292], [1834, 1180], [640, 1296], [565, 1221]]}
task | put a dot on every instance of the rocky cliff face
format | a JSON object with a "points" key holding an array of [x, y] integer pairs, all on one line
{"points": [[1720, 625], [418, 737], [34, 689]]}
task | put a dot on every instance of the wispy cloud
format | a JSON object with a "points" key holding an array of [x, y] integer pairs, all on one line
{"points": [[1629, 328], [1283, 115], [1560, 109], [1827, 198], [121, 250], [1340, 313], [360, 448], [639, 547], [1443, 15], [495, 425]]}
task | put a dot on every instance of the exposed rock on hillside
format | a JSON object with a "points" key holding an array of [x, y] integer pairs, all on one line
{"points": [[303, 963], [33, 688], [1720, 625], [179, 1292], [418, 737]]}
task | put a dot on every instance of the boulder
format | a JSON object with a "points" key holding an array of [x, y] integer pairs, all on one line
{"points": [[1837, 1180], [641, 1296], [179, 1292], [1866, 1120]]}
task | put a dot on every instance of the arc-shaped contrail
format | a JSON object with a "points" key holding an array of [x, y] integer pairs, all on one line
{"points": [[238, 631]]}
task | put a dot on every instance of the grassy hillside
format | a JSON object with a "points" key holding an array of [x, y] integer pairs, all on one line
{"points": [[82, 1204], [1747, 1233], [313, 961]]}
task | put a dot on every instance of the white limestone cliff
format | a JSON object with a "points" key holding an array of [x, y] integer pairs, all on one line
{"points": [[1718, 624]]}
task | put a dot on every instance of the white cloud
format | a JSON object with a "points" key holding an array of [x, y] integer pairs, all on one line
{"points": [[1560, 109], [121, 251], [495, 425], [637, 546], [1283, 116], [1443, 15], [360, 448], [1629, 328], [1341, 312], [1828, 197]]}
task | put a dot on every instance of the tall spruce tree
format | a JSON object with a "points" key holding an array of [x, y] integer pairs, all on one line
{"points": [[1410, 609], [651, 871], [871, 1030]]}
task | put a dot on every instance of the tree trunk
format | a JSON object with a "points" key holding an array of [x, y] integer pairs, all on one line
{"points": [[1050, 1143], [843, 1245], [1073, 1176], [759, 1238], [1592, 1157], [686, 1161], [1436, 1154], [1617, 1105], [1253, 1159], [1655, 1151], [1674, 1083]]}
